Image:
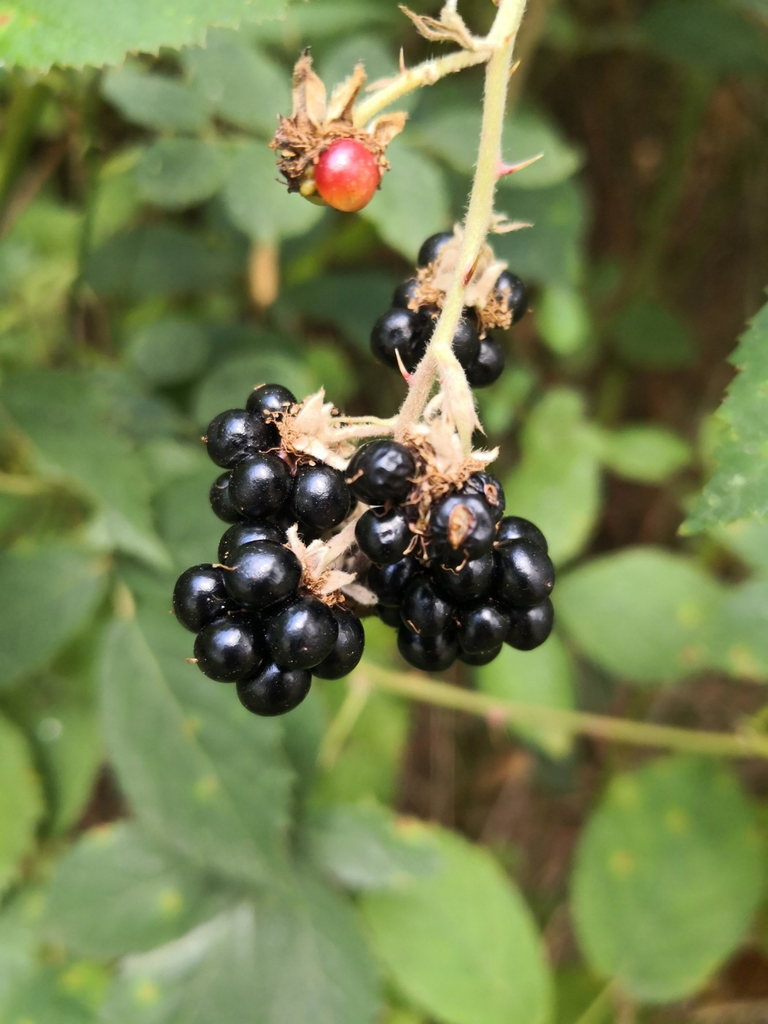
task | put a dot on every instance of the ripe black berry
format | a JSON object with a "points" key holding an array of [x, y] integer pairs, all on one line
{"points": [[461, 527], [397, 331], [381, 471], [483, 658], [262, 573], [405, 293], [273, 690], [487, 366], [467, 582], [320, 498], [530, 627], [260, 485], [246, 533], [226, 649], [388, 582], [428, 653], [481, 628], [487, 487], [511, 289], [423, 609], [383, 536], [430, 249], [270, 398], [466, 342], [235, 434], [302, 633], [221, 500], [525, 574], [513, 528], [347, 649], [199, 597]]}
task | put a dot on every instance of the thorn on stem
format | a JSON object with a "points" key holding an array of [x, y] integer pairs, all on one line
{"points": [[514, 68], [503, 169], [407, 377], [402, 61], [470, 272]]}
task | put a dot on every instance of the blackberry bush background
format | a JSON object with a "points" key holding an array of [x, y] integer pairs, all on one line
{"points": [[166, 857]]}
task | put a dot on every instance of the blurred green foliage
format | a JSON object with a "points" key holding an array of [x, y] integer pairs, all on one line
{"points": [[164, 857]]}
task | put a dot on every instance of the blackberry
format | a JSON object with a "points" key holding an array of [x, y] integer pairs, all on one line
{"points": [[200, 596], [423, 609], [233, 435], [466, 342], [482, 627], [397, 331], [530, 627], [484, 658], [383, 536], [347, 649], [227, 649], [525, 574], [511, 290], [466, 582], [273, 690], [260, 486], [514, 528], [405, 293], [320, 498], [487, 487], [270, 398], [302, 633], [431, 248], [388, 582], [381, 471], [488, 364], [389, 615], [262, 574], [461, 527], [221, 500], [247, 533], [428, 653]]}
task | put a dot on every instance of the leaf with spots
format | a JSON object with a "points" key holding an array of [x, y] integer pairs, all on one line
{"points": [[118, 891], [668, 876], [195, 765]]}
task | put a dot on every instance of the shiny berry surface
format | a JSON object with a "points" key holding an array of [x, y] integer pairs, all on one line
{"points": [[235, 434], [423, 608], [483, 658], [381, 471], [260, 485], [270, 398], [466, 343], [466, 582], [481, 628], [388, 582], [227, 650], [383, 536], [428, 653], [389, 615], [487, 366], [347, 649], [247, 533], [513, 528], [487, 487], [405, 293], [461, 527], [320, 497], [530, 627], [347, 175], [525, 574], [262, 573], [397, 332], [511, 290], [430, 249], [200, 596], [274, 690], [221, 500], [301, 634]]}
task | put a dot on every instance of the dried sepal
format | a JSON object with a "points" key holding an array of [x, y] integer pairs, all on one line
{"points": [[448, 28]]}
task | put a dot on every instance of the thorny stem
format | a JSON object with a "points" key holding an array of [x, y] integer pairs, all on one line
{"points": [[619, 730], [439, 361]]}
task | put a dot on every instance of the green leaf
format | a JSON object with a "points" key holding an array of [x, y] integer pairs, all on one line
{"points": [[154, 100], [239, 82], [118, 891], [168, 351], [642, 614], [542, 677], [55, 592], [175, 173], [259, 203], [738, 639], [375, 55], [668, 875], [185, 520], [21, 802], [562, 317], [460, 943], [748, 540], [50, 996], [198, 769], [293, 956], [412, 202], [69, 419], [364, 847], [647, 454], [39, 33], [709, 34], [557, 482], [651, 336], [738, 487]]}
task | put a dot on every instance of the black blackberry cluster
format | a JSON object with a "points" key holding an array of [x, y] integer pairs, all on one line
{"points": [[406, 331], [256, 622], [457, 580]]}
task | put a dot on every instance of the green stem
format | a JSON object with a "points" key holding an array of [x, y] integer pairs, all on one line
{"points": [[619, 730], [341, 727], [20, 123]]}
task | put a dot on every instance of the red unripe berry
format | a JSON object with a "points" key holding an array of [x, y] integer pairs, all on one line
{"points": [[347, 175]]}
